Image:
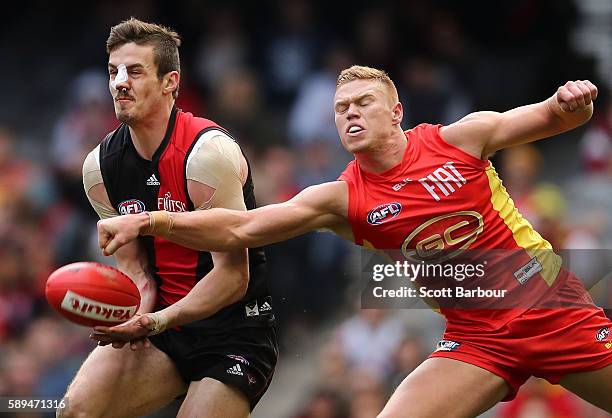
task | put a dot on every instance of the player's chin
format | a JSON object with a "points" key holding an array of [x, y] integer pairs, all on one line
{"points": [[124, 116], [355, 145]]}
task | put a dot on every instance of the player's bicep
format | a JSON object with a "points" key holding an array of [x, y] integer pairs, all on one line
{"points": [[93, 184], [483, 133]]}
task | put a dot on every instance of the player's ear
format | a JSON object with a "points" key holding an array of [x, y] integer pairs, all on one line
{"points": [[171, 81], [398, 113]]}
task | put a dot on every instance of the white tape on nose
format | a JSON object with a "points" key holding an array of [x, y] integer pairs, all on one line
{"points": [[121, 77]]}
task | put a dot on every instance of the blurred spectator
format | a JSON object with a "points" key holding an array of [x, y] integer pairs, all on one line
{"points": [[429, 93], [374, 37], [542, 204], [596, 144], [410, 353], [539, 399], [291, 50], [369, 339], [85, 123], [324, 404], [238, 106], [311, 117], [274, 174], [367, 396], [223, 48]]}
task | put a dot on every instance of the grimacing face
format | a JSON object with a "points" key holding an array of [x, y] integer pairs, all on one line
{"points": [[364, 113], [145, 91]]}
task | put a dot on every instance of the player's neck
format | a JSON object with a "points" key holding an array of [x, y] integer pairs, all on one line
{"points": [[148, 134], [384, 156]]}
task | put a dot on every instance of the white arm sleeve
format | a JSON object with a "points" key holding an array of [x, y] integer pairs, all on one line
{"points": [[216, 161], [92, 176]]}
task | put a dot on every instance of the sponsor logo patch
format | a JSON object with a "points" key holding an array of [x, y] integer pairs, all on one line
{"points": [[251, 309], [236, 370], [397, 187], [443, 237], [384, 213], [131, 206], [603, 334], [528, 271], [170, 204], [152, 181], [89, 308], [259, 307], [447, 345]]}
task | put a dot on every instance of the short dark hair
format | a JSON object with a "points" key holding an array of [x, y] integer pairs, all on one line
{"points": [[165, 43]]}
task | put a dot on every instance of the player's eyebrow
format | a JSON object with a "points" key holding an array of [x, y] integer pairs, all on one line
{"points": [[356, 98], [128, 67]]}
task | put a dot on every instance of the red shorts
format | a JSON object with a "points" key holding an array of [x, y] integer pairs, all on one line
{"points": [[546, 343]]}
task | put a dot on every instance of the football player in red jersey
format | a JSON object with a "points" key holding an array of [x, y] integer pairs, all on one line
{"points": [[400, 183]]}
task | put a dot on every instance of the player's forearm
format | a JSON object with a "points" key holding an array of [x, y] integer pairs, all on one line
{"points": [[132, 262], [210, 230], [148, 293], [145, 283], [219, 288]]}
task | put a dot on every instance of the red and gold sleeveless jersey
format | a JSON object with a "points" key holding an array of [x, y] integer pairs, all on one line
{"points": [[440, 199]]}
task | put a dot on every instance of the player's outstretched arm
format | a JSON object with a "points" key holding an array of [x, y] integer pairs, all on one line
{"points": [[483, 133], [324, 206]]}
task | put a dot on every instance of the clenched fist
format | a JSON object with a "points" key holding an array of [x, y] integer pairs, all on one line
{"points": [[575, 95], [114, 233]]}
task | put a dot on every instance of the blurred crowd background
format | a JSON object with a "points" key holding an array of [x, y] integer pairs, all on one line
{"points": [[266, 71]]}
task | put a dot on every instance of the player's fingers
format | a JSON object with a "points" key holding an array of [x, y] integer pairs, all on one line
{"points": [[103, 235], [101, 329], [578, 97], [592, 88], [147, 343], [112, 246], [584, 90], [565, 99]]}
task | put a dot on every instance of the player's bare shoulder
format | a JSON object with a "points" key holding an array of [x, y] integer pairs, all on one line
{"points": [[327, 198]]}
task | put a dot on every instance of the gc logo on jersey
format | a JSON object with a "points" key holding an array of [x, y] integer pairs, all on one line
{"points": [[383, 213], [131, 206], [454, 231]]}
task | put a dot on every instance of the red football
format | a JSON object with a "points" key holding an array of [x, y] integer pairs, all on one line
{"points": [[91, 294]]}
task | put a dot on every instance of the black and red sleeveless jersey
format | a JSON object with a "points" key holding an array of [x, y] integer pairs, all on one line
{"points": [[135, 184]]}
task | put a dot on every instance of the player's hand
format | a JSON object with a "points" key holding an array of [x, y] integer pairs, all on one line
{"points": [[575, 95], [134, 332], [113, 233]]}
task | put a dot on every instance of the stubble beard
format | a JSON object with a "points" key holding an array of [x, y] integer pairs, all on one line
{"points": [[126, 117]]}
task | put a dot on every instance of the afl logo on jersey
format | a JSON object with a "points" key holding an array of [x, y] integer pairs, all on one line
{"points": [[383, 213], [131, 206], [451, 233]]}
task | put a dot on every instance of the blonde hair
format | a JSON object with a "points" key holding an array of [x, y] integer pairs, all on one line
{"points": [[360, 72]]}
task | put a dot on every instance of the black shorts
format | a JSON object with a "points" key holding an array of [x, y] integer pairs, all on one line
{"points": [[244, 358]]}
